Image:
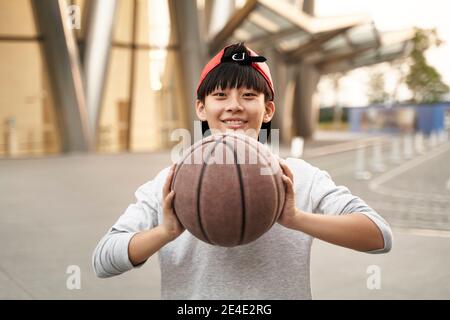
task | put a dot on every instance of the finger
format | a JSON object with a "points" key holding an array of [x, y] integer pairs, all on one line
{"points": [[289, 187], [286, 170], [287, 181], [168, 201], [282, 163], [166, 188]]}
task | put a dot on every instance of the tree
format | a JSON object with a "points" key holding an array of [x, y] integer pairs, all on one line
{"points": [[376, 92], [337, 109], [423, 80]]}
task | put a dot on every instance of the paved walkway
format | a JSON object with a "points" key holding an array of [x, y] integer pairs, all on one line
{"points": [[411, 194], [54, 210]]}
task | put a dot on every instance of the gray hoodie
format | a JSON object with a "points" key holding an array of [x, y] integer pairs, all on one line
{"points": [[275, 266]]}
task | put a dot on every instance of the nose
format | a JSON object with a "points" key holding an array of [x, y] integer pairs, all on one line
{"points": [[234, 105]]}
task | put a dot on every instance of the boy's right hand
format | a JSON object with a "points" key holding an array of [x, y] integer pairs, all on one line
{"points": [[170, 225]]}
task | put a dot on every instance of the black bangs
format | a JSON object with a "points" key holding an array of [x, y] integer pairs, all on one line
{"points": [[233, 75]]}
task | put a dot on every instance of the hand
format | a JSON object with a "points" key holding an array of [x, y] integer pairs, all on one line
{"points": [[289, 212], [170, 225]]}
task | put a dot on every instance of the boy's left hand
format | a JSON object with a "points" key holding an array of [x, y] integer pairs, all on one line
{"points": [[289, 212]]}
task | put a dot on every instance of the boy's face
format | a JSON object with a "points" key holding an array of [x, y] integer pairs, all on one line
{"points": [[235, 109]]}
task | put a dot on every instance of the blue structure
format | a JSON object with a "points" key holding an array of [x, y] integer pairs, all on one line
{"points": [[380, 118], [431, 117]]}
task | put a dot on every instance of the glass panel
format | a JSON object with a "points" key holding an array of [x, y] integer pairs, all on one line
{"points": [[263, 22], [153, 26], [252, 30], [123, 28], [16, 18], [366, 58], [275, 18], [294, 3], [233, 39], [391, 49], [27, 121], [147, 97], [335, 43], [156, 99], [362, 34], [241, 35], [157, 109], [113, 124], [294, 41]]}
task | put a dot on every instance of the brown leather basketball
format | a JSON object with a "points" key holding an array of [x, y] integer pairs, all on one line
{"points": [[228, 189]]}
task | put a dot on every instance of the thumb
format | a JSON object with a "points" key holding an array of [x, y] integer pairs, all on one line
{"points": [[168, 202]]}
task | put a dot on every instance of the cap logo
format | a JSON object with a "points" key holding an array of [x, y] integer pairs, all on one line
{"points": [[236, 57]]}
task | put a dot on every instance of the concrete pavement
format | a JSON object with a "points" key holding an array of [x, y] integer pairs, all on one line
{"points": [[54, 210]]}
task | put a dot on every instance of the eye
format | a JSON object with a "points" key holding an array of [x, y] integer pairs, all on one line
{"points": [[250, 95], [219, 94]]}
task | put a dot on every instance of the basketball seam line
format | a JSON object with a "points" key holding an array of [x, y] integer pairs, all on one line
{"points": [[178, 169], [199, 187], [182, 162], [241, 186], [279, 203]]}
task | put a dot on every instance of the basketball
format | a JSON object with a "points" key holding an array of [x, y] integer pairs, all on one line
{"points": [[228, 189]]}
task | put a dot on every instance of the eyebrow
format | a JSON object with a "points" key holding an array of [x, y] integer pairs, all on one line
{"points": [[240, 89]]}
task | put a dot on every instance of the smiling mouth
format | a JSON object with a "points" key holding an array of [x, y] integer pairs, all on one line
{"points": [[234, 122]]}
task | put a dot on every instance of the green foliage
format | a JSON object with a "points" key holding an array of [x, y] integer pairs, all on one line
{"points": [[423, 80], [326, 114], [376, 92]]}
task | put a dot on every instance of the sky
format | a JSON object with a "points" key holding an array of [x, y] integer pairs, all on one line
{"points": [[389, 15]]}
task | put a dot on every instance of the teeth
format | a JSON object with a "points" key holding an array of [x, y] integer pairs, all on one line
{"points": [[234, 122]]}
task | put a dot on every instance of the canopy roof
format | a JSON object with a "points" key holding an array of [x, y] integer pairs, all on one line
{"points": [[332, 43]]}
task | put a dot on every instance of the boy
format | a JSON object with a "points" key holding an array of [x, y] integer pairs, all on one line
{"points": [[235, 92]]}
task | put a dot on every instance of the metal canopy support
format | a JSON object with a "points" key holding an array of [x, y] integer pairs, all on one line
{"points": [[270, 21], [219, 40], [98, 43], [313, 45], [305, 102], [329, 62], [400, 41], [279, 74], [65, 74], [192, 51], [309, 7]]}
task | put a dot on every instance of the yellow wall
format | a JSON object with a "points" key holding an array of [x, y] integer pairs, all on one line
{"points": [[24, 88]]}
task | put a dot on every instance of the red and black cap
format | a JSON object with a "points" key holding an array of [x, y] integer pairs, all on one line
{"points": [[249, 58]]}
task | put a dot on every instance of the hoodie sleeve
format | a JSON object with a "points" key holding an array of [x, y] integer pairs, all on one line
{"points": [[110, 257], [327, 198]]}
